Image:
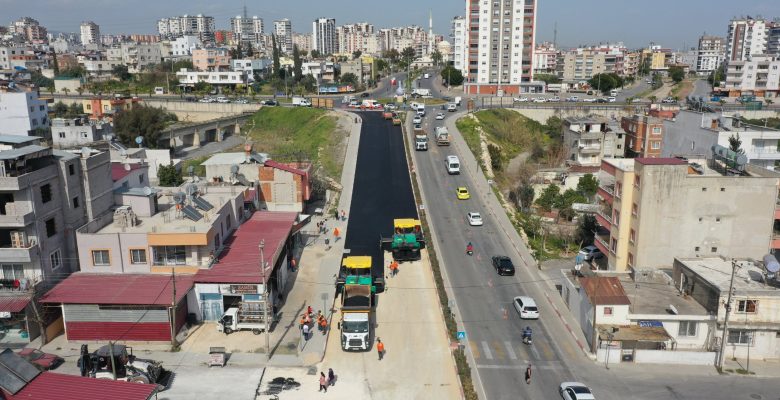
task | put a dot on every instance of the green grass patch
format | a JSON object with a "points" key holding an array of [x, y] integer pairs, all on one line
{"points": [[467, 126], [299, 134], [510, 130], [198, 169]]}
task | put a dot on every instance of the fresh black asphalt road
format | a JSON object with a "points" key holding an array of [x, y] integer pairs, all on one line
{"points": [[382, 189]]}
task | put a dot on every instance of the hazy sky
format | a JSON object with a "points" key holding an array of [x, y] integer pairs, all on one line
{"points": [[671, 23]]}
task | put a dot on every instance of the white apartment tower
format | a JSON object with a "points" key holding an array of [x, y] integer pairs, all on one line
{"points": [[500, 45], [710, 53], [199, 25], [459, 36], [90, 33], [323, 35], [747, 37], [283, 32]]}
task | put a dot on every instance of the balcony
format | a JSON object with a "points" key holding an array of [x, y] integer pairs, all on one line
{"points": [[775, 244], [19, 254], [17, 215], [765, 153], [601, 244], [606, 192], [590, 149], [9, 182], [603, 218]]}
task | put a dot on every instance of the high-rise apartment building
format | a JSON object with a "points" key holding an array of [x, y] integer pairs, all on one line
{"points": [[199, 25], [303, 41], [545, 59], [747, 37], [323, 35], [459, 35], [501, 45], [583, 63], [353, 37], [245, 29], [90, 33], [283, 32], [30, 29], [710, 53]]}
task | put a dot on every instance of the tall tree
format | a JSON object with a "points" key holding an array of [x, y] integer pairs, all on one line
{"points": [[735, 144], [408, 55], [120, 72], [588, 185], [315, 53], [452, 75], [436, 57], [677, 74], [277, 63], [297, 64], [356, 54], [349, 78], [549, 197], [56, 64], [144, 121]]}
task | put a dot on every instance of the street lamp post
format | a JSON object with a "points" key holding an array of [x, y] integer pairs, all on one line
{"points": [[265, 302]]}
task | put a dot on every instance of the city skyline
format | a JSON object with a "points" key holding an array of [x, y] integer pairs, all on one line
{"points": [[631, 25]]}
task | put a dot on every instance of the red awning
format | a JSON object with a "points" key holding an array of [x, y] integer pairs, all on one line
{"points": [[13, 303]]}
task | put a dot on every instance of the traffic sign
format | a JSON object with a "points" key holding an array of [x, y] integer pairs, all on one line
{"points": [[461, 335]]}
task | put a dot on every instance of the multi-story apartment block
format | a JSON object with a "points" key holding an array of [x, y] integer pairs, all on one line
{"points": [[138, 56], [246, 30], [403, 37], [211, 59], [501, 45], [747, 37], [458, 36], [77, 132], [656, 209], [100, 108], [632, 61], [545, 59], [357, 37], [323, 35], [90, 33], [215, 78], [45, 195], [583, 63], [29, 29], [760, 76], [773, 39], [710, 53], [588, 140], [283, 32], [149, 232], [199, 25], [23, 113], [9, 53], [303, 41], [644, 136], [184, 45]]}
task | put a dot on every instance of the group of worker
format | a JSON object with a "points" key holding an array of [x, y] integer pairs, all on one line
{"points": [[307, 319]]}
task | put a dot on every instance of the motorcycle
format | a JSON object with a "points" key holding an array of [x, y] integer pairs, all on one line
{"points": [[470, 250], [527, 340]]}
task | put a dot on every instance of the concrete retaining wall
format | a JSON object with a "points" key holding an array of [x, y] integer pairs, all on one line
{"points": [[542, 114], [674, 357]]}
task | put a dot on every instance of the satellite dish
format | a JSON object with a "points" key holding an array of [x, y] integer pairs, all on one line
{"points": [[234, 169], [139, 140], [179, 197], [147, 191], [771, 264], [127, 167], [191, 170]]}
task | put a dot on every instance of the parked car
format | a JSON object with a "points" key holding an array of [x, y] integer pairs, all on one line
{"points": [[503, 265], [242, 101], [520, 99], [572, 99], [589, 100], [554, 99], [440, 116], [575, 391], [391, 106], [540, 100], [365, 94], [474, 218], [611, 99], [42, 361], [417, 119], [271, 103], [591, 253], [601, 100], [526, 307]]}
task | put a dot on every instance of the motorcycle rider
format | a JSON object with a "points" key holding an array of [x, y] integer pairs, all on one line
{"points": [[527, 334], [469, 248]]}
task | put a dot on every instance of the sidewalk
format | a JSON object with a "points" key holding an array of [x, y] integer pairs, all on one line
{"points": [[313, 283], [758, 368]]}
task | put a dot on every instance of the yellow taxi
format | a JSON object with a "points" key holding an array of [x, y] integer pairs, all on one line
{"points": [[463, 193]]}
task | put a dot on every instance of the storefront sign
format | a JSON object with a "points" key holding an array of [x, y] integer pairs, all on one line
{"points": [[239, 289], [5, 314]]}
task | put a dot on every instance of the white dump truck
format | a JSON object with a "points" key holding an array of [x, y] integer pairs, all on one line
{"points": [[421, 142], [442, 136]]}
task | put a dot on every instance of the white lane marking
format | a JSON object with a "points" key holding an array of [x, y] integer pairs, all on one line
{"points": [[486, 350], [510, 350]]}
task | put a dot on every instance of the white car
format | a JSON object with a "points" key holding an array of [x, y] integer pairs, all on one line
{"points": [[540, 100], [611, 99], [554, 99], [575, 391], [474, 218], [440, 116], [520, 99], [417, 119], [526, 307], [590, 100]]}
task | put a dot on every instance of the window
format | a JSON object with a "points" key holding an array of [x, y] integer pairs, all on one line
{"points": [[740, 336], [717, 219], [655, 145], [656, 130], [630, 260], [714, 249], [51, 227], [62, 135], [608, 310], [632, 236], [704, 189], [100, 258], [169, 255], [696, 249], [13, 271], [636, 182], [45, 193], [747, 306], [76, 202], [141, 179], [722, 189], [56, 259], [634, 209], [687, 328], [138, 256], [71, 169]]}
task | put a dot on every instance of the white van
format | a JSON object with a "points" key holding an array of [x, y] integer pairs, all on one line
{"points": [[453, 165], [159, 90]]}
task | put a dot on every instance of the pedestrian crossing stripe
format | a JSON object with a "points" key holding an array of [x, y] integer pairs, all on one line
{"points": [[508, 350]]}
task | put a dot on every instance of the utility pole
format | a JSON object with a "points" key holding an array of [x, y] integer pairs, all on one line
{"points": [[111, 356], [265, 302], [726, 320], [173, 308]]}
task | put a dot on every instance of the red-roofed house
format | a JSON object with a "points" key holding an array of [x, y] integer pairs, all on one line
{"points": [[126, 307], [54, 386], [236, 275]]}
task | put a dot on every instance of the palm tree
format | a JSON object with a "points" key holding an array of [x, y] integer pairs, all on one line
{"points": [[66, 91]]}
